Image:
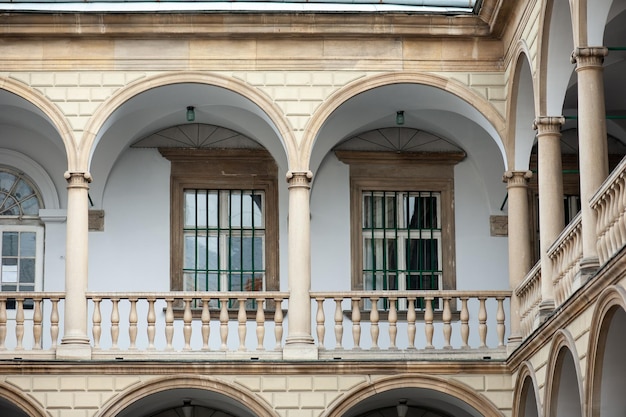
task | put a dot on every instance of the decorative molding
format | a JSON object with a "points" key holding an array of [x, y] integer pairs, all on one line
{"points": [[548, 124], [197, 136], [589, 56], [517, 178]]}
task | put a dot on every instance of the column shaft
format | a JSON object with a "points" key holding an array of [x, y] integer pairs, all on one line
{"points": [[592, 147], [75, 342], [551, 212], [299, 332], [519, 241]]}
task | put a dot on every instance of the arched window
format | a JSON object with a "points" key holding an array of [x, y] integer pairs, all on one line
{"points": [[21, 242]]}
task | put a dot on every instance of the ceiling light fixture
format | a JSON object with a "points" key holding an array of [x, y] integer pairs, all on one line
{"points": [[191, 113], [187, 407], [400, 117], [402, 408]]}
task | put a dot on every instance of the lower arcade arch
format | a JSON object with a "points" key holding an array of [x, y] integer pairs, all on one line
{"points": [[185, 396], [14, 404], [413, 396], [607, 364]]}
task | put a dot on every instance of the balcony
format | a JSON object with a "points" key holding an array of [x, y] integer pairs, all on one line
{"points": [[254, 325]]}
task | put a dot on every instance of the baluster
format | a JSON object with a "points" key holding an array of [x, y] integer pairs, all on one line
{"points": [[500, 320], [224, 322], [338, 323], [19, 322], [151, 318], [374, 330], [169, 323], [278, 322], [464, 322], [115, 322], [187, 318], [410, 318], [482, 322], [447, 327], [621, 221], [356, 324], [241, 318], [96, 329], [320, 318], [54, 322], [3, 323], [428, 320], [37, 323], [206, 324], [260, 323], [132, 323], [393, 320]]}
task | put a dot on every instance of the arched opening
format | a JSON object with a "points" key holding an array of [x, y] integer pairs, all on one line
{"points": [[565, 400]]}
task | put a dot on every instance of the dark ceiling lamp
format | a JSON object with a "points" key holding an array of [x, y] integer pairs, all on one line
{"points": [[187, 407], [400, 117], [402, 408], [191, 113]]}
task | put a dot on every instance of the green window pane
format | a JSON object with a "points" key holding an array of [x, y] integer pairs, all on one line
{"points": [[28, 244], [27, 271], [189, 261], [235, 253], [10, 242]]}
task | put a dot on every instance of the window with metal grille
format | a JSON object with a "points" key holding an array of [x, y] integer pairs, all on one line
{"points": [[224, 240], [401, 241]]}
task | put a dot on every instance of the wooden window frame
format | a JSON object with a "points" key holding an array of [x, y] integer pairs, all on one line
{"points": [[386, 171], [222, 169]]}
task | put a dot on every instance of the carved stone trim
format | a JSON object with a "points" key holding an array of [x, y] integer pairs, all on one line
{"points": [[589, 56], [299, 179], [517, 178], [77, 179], [548, 124]]}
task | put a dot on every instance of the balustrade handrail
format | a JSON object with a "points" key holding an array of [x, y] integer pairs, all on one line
{"points": [[413, 293], [614, 176], [565, 235], [528, 281]]}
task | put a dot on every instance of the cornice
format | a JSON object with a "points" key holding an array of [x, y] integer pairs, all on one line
{"points": [[320, 367], [217, 24]]}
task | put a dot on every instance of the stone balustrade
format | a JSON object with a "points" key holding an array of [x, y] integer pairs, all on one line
{"points": [[529, 296], [253, 325], [565, 254], [609, 202]]}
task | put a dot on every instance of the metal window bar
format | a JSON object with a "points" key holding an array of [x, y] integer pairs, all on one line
{"points": [[408, 242]]}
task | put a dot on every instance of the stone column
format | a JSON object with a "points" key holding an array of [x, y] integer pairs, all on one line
{"points": [[519, 242], [299, 342], [551, 215], [592, 148], [75, 342]]}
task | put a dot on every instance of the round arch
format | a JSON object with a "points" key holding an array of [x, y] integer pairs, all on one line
{"points": [[18, 400], [522, 111], [556, 43], [50, 111], [495, 121], [447, 387], [271, 110], [522, 394], [611, 301], [562, 345], [237, 394]]}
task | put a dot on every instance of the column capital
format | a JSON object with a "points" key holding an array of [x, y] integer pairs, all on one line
{"points": [[299, 178], [548, 124], [589, 56], [517, 178], [77, 179]]}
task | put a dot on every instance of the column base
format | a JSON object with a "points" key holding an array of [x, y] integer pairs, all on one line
{"points": [[73, 351], [295, 352], [588, 268], [545, 310], [514, 341]]}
